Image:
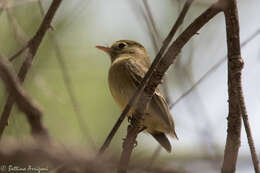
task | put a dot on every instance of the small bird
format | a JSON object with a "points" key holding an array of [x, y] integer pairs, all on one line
{"points": [[129, 63]]}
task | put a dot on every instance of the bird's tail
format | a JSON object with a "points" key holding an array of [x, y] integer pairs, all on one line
{"points": [[163, 140], [173, 134]]}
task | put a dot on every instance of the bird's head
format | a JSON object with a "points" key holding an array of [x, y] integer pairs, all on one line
{"points": [[125, 48]]}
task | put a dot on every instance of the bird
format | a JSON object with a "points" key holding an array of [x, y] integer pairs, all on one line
{"points": [[129, 64]]}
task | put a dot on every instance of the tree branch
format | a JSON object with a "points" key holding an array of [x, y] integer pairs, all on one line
{"points": [[182, 13], [145, 79], [248, 129], [236, 99], [156, 39], [159, 70], [24, 102], [19, 52], [214, 68], [34, 44]]}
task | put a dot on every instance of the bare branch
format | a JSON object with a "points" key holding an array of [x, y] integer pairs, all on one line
{"points": [[236, 99], [157, 70], [213, 69], [145, 79], [248, 130], [24, 102], [151, 26], [156, 39], [19, 52], [34, 44]]}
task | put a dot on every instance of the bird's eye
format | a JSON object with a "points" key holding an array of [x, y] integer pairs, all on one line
{"points": [[122, 45]]}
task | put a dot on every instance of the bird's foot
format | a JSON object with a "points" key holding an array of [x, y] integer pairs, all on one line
{"points": [[124, 143]]}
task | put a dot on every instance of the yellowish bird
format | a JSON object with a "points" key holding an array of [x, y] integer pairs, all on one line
{"points": [[129, 63]]}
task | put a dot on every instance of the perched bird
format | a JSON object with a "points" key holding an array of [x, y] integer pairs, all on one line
{"points": [[129, 63]]}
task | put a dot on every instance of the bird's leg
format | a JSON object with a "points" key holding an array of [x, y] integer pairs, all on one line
{"points": [[128, 128], [132, 120]]}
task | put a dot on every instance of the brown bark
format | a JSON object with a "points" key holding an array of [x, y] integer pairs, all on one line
{"points": [[33, 46], [236, 100], [24, 102]]}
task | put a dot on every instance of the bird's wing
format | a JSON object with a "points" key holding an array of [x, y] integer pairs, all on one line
{"points": [[163, 140], [137, 73]]}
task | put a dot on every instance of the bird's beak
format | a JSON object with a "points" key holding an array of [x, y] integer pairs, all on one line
{"points": [[105, 49]]}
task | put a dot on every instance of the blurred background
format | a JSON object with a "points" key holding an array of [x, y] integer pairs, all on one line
{"points": [[69, 75]]}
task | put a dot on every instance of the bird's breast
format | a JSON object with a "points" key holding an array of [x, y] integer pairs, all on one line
{"points": [[120, 84]]}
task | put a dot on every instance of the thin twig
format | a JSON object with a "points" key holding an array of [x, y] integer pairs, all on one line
{"points": [[33, 46], [152, 26], [143, 83], [19, 52], [248, 129], [156, 77], [213, 69], [68, 85], [24, 102]]}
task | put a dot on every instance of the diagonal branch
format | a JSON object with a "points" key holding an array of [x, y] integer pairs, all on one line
{"points": [[178, 23], [156, 40], [159, 68], [19, 52], [214, 68], [34, 44], [146, 78], [24, 102]]}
